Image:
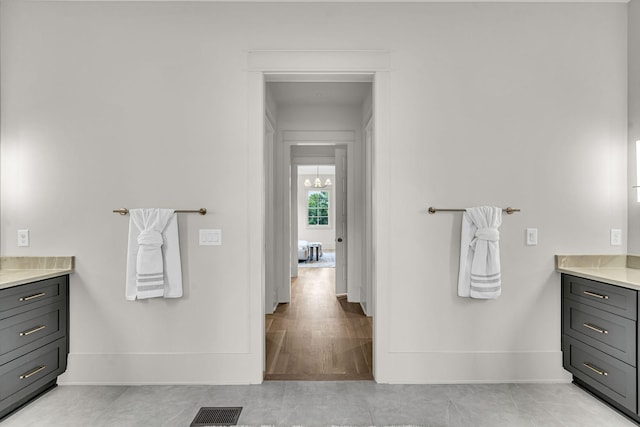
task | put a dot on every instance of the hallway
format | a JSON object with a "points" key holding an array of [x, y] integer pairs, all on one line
{"points": [[318, 336]]}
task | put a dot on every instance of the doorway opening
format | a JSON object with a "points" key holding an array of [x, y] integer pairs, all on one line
{"points": [[318, 207]]}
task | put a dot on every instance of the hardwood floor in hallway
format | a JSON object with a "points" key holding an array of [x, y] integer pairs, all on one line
{"points": [[318, 336]]}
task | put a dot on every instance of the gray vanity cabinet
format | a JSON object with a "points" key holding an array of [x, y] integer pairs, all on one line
{"points": [[600, 340], [34, 343]]}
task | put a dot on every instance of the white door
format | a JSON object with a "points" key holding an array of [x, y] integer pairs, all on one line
{"points": [[366, 292], [341, 220], [271, 289]]}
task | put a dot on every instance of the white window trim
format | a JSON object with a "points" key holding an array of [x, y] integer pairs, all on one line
{"points": [[329, 220]]}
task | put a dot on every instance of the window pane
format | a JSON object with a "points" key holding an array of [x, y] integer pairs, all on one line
{"points": [[318, 207]]}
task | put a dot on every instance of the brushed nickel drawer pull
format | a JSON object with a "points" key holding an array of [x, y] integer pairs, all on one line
{"points": [[32, 331], [594, 369], [593, 294], [595, 328], [34, 296], [32, 373]]}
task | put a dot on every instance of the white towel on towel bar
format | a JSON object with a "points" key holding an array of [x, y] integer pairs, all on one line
{"points": [[153, 255], [479, 275]]}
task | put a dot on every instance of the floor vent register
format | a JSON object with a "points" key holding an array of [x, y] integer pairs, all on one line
{"points": [[217, 417]]}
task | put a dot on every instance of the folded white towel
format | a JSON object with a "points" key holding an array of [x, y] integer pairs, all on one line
{"points": [[149, 264], [172, 263], [153, 258], [479, 275]]}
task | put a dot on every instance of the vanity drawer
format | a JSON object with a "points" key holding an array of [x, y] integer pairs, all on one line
{"points": [[32, 295], [611, 298], [33, 369], [29, 330], [612, 334], [604, 373]]}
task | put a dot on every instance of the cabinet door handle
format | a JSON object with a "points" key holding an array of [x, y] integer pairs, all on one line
{"points": [[595, 328], [594, 369], [34, 296], [32, 331], [32, 373], [593, 294]]}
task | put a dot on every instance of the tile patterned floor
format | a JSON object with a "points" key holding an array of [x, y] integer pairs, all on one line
{"points": [[360, 403]]}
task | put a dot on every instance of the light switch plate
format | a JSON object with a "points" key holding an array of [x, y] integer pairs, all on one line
{"points": [[210, 237], [616, 237], [532, 236], [23, 238]]}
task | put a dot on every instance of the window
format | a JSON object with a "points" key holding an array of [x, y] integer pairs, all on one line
{"points": [[318, 208]]}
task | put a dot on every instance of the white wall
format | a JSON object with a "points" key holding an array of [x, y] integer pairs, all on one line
{"points": [[110, 104], [325, 235], [633, 50]]}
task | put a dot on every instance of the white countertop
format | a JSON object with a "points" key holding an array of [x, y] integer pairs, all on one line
{"points": [[621, 270], [16, 271]]}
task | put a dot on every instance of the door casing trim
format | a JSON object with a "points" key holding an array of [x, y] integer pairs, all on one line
{"points": [[316, 66]]}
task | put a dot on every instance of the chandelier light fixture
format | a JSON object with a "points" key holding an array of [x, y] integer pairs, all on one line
{"points": [[317, 183]]}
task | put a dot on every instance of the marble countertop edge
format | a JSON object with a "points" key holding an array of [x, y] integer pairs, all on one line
{"points": [[622, 270], [15, 271], [37, 263]]}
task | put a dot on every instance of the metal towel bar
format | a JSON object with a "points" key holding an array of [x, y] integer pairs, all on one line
{"points": [[201, 211], [433, 210]]}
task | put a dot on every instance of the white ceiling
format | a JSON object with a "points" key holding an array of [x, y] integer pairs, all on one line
{"points": [[367, 1], [333, 93]]}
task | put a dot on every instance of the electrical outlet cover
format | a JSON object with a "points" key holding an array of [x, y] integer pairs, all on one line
{"points": [[616, 237], [23, 238], [210, 237]]}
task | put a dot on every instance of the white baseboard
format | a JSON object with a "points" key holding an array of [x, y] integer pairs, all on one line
{"points": [[160, 368], [472, 367], [362, 306], [394, 368]]}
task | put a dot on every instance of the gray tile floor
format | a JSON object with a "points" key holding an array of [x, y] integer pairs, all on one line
{"points": [[322, 404]]}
